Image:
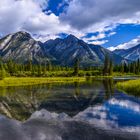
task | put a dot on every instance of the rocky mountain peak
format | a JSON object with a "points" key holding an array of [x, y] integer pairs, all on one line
{"points": [[131, 53], [22, 34], [71, 38]]}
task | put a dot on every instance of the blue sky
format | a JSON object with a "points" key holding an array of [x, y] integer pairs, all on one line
{"points": [[124, 33], [57, 6], [112, 27]]}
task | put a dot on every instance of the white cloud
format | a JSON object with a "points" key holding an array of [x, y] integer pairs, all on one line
{"points": [[98, 42], [14, 13], [63, 4], [111, 34], [99, 36], [126, 104], [28, 15], [45, 24], [103, 117], [43, 38], [96, 15], [98, 39], [127, 45], [42, 3], [79, 18]]}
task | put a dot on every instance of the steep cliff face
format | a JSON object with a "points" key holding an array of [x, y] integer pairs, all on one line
{"points": [[21, 47]]}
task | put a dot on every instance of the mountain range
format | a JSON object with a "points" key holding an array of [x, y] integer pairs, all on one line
{"points": [[132, 54], [21, 47]]}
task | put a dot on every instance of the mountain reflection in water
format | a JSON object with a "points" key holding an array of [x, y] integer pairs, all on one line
{"points": [[20, 102], [96, 108]]}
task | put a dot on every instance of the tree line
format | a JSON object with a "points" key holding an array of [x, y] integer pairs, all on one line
{"points": [[133, 67], [10, 68], [124, 67]]}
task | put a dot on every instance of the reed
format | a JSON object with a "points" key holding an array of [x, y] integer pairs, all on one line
{"points": [[132, 86], [15, 81]]}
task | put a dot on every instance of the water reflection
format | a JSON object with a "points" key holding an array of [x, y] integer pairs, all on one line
{"points": [[120, 113], [20, 102], [108, 112]]}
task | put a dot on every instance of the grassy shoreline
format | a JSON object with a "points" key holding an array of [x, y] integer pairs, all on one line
{"points": [[25, 81], [131, 86]]}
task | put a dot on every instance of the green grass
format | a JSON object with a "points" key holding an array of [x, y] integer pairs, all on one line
{"points": [[124, 74], [132, 86], [15, 81], [57, 73]]}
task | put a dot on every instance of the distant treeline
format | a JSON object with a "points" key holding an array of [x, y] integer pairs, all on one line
{"points": [[133, 67], [123, 68], [10, 68]]}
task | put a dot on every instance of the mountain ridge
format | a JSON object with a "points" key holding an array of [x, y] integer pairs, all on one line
{"points": [[21, 47], [132, 54]]}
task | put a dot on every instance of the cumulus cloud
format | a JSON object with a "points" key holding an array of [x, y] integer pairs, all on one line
{"points": [[63, 4], [79, 17], [126, 45], [42, 3], [87, 13], [28, 15], [13, 14]]}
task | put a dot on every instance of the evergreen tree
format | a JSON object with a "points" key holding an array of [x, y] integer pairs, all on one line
{"points": [[33, 70], [39, 69], [106, 65], [49, 66], [138, 66], [10, 66], [111, 67], [125, 67], [2, 71], [76, 67], [134, 68], [30, 65], [44, 69], [122, 67]]}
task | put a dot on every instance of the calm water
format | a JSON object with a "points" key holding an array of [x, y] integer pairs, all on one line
{"points": [[105, 103]]}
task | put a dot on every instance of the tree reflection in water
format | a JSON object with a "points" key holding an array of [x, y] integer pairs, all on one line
{"points": [[20, 102]]}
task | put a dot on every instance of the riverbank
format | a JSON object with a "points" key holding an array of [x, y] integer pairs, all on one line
{"points": [[24, 81], [132, 86]]}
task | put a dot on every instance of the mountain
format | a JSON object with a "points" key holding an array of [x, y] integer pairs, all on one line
{"points": [[131, 54], [67, 50], [21, 47]]}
